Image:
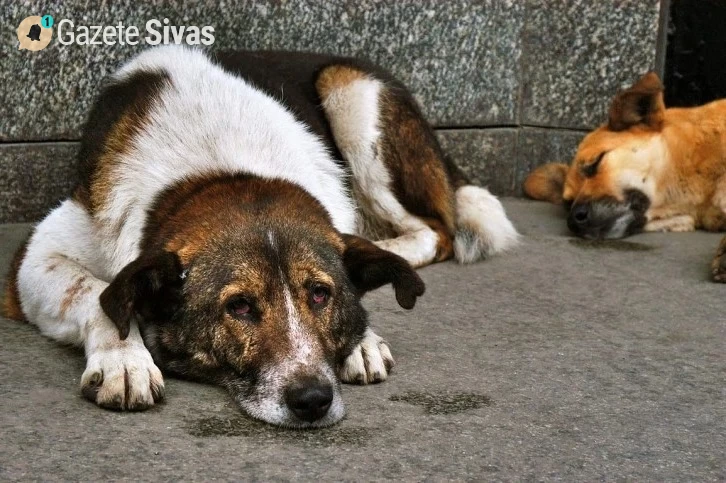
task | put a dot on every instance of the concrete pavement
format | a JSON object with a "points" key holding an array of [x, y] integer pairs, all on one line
{"points": [[559, 360]]}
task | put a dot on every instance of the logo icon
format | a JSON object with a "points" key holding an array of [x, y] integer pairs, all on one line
{"points": [[35, 32]]}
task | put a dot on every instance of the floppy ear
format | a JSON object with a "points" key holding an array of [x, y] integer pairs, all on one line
{"points": [[640, 104], [546, 183], [370, 267], [147, 289]]}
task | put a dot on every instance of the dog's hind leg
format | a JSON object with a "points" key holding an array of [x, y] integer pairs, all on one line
{"points": [[57, 286], [355, 105], [404, 186]]}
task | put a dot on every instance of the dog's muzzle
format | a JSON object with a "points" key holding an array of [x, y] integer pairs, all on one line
{"points": [[608, 217]]}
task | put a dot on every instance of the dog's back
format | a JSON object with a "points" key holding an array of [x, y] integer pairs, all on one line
{"points": [[174, 106]]}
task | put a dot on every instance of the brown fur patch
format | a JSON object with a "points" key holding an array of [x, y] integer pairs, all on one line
{"points": [[11, 299], [120, 113], [117, 144], [711, 218], [173, 220], [72, 293], [335, 77], [414, 159], [253, 283]]}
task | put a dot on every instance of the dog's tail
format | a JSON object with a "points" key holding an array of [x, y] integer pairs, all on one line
{"points": [[482, 226]]}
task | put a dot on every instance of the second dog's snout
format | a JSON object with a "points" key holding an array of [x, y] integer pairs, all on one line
{"points": [[580, 214], [309, 399]]}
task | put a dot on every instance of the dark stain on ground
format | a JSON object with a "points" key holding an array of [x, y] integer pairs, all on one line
{"points": [[245, 427], [619, 245], [444, 402]]}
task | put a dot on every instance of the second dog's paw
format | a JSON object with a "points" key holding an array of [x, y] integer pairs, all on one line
{"points": [[370, 362], [680, 224], [122, 377], [718, 266]]}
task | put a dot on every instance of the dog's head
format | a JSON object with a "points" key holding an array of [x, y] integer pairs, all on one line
{"points": [[610, 185], [262, 300]]}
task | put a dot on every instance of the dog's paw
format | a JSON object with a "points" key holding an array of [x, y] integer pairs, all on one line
{"points": [[679, 223], [370, 362], [122, 377], [718, 266]]}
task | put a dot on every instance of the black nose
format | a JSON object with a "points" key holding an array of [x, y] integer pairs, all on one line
{"points": [[309, 399], [580, 214]]}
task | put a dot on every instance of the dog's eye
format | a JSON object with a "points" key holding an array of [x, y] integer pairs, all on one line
{"points": [[319, 295], [239, 308], [590, 170]]}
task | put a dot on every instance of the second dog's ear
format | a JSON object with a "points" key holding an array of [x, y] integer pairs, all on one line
{"points": [[640, 104], [546, 183], [147, 289], [370, 267]]}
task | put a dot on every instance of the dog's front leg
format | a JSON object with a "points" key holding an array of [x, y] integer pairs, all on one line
{"points": [[677, 223], [59, 289], [370, 361]]}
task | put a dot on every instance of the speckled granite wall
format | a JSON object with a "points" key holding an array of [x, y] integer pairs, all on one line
{"points": [[33, 178], [576, 53], [501, 79]]}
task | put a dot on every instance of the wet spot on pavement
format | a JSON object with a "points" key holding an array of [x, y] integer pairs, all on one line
{"points": [[249, 428], [445, 402], [619, 245]]}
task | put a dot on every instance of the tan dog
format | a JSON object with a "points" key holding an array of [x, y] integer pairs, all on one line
{"points": [[647, 169]]}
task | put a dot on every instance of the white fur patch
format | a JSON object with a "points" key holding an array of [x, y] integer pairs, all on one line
{"points": [[620, 226], [482, 226], [417, 247], [639, 164], [59, 279], [121, 374], [302, 343]]}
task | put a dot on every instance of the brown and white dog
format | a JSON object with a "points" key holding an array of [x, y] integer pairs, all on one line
{"points": [[216, 232], [648, 169]]}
